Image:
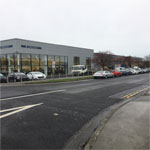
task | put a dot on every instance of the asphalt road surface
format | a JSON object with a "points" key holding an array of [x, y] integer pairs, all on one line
{"points": [[47, 116]]}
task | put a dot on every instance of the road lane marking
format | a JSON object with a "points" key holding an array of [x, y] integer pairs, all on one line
{"points": [[134, 93], [30, 95], [16, 110]]}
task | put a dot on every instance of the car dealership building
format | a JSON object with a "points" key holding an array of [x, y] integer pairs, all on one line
{"points": [[18, 55]]}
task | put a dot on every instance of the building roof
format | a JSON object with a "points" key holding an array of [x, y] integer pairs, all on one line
{"points": [[46, 43]]}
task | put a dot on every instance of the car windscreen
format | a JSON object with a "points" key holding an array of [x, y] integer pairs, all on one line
{"points": [[1, 75], [100, 72], [76, 68], [36, 73], [19, 74]]}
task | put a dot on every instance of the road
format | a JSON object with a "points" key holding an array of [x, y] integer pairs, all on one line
{"points": [[47, 116]]}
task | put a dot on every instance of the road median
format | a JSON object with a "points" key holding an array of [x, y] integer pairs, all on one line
{"points": [[59, 80]]}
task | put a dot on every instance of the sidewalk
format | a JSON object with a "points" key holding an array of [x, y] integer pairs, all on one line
{"points": [[128, 128]]}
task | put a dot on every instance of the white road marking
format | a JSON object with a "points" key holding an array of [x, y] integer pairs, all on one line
{"points": [[17, 109], [30, 95], [55, 114]]}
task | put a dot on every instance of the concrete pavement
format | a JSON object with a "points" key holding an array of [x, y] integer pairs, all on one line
{"points": [[128, 128]]}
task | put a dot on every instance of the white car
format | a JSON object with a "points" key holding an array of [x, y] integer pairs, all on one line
{"points": [[36, 75], [134, 71], [103, 74]]}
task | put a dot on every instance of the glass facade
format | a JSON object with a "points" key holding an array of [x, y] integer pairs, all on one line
{"points": [[21, 62], [3, 64], [88, 63], [76, 60]]}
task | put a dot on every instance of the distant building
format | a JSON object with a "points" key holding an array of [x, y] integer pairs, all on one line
{"points": [[121, 61]]}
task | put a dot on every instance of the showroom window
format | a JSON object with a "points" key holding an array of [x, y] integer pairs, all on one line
{"points": [[3, 64], [88, 62], [50, 60], [26, 59], [76, 60], [11, 63], [43, 64], [43, 60], [26, 63], [3, 60], [35, 60]]}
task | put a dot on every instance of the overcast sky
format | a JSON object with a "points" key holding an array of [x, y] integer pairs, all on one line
{"points": [[120, 26]]}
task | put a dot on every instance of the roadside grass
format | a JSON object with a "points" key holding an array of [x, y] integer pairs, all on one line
{"points": [[59, 80]]}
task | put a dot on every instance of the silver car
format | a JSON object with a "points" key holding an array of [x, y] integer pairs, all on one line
{"points": [[103, 74]]}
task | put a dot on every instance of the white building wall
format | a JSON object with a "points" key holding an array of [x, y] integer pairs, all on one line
{"points": [[47, 49]]}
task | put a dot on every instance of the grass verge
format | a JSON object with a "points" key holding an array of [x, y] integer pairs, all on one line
{"points": [[59, 80]]}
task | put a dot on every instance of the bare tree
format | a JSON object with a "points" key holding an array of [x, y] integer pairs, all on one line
{"points": [[103, 59], [128, 60], [138, 61], [147, 61], [147, 57]]}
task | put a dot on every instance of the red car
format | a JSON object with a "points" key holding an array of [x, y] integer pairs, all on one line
{"points": [[116, 73]]}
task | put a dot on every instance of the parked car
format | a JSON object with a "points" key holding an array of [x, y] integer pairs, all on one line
{"points": [[103, 74], [36, 75], [3, 79], [116, 73], [17, 76], [123, 70], [138, 69], [134, 71], [145, 70], [128, 70]]}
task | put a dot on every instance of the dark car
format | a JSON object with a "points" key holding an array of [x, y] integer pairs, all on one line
{"points": [[17, 76], [3, 79], [124, 72]]}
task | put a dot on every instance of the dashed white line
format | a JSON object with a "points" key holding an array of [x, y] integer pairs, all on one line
{"points": [[30, 95]]}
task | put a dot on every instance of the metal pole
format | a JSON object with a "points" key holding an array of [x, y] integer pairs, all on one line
{"points": [[53, 74], [21, 79], [7, 79]]}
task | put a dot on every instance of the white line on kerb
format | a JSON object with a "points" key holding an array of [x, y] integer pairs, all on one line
{"points": [[30, 95], [17, 109]]}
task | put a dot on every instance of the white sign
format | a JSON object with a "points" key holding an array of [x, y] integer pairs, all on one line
{"points": [[53, 64]]}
